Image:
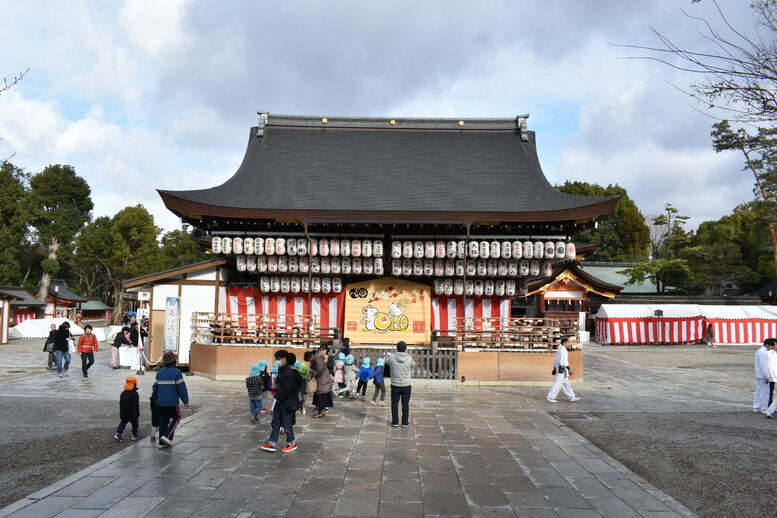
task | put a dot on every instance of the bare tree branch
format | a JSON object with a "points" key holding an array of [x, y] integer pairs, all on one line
{"points": [[15, 79]]}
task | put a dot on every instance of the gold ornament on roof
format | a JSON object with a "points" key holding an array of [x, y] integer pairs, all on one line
{"points": [[324, 120]]}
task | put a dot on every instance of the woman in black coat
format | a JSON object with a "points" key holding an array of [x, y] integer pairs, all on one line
{"points": [[61, 349], [48, 347]]}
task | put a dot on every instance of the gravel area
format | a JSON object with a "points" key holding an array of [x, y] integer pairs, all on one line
{"points": [[45, 440], [717, 464]]}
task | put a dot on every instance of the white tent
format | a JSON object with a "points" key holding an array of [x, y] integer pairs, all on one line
{"points": [[40, 327]]}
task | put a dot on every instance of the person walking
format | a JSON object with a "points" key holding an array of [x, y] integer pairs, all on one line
{"points": [[771, 372], [761, 395], [122, 338], [129, 409], [562, 371], [87, 346], [48, 347], [288, 385], [169, 388], [62, 349], [323, 398], [380, 386], [400, 365]]}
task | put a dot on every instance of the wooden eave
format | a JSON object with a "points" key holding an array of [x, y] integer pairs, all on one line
{"points": [[151, 278]]}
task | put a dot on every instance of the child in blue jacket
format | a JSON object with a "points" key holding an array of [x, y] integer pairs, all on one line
{"points": [[378, 381], [169, 388], [365, 373]]}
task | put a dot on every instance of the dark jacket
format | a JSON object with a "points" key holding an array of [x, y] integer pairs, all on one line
{"points": [[169, 387], [120, 340], [377, 374], [255, 386], [154, 412], [50, 339], [289, 382], [129, 407], [60, 339], [134, 335]]}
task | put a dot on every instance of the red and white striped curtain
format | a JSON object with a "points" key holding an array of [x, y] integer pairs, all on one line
{"points": [[250, 302], [650, 330], [743, 331], [20, 315], [446, 310]]}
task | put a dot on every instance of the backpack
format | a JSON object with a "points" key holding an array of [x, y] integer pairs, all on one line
{"points": [[330, 365]]}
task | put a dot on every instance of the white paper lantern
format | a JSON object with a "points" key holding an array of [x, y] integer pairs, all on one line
{"points": [[528, 249], [294, 264], [275, 284], [439, 249], [439, 267], [418, 249], [485, 249], [492, 267], [283, 264], [407, 267], [501, 267], [304, 264], [304, 285], [459, 270], [334, 264], [345, 266], [326, 285], [251, 263], [285, 285], [315, 285], [272, 264], [469, 288], [507, 250], [428, 267], [450, 249], [237, 245], [517, 249], [496, 249], [539, 249], [261, 263], [356, 263], [534, 268], [264, 284], [356, 248], [315, 264], [461, 249], [248, 246], [367, 248], [418, 267], [407, 249], [499, 288], [215, 245], [523, 268], [474, 249], [561, 249], [450, 268], [547, 269], [550, 250], [396, 249], [337, 285], [482, 268], [396, 267], [269, 246], [259, 246], [302, 246], [439, 287], [295, 285], [458, 287], [488, 288], [240, 260], [571, 251], [377, 248], [313, 247], [448, 287], [323, 247], [367, 266], [429, 249], [345, 247], [280, 245], [226, 245], [472, 268], [334, 248], [378, 266], [478, 288], [510, 288], [291, 246], [512, 267]]}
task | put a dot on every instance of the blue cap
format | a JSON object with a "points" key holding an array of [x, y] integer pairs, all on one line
{"points": [[380, 362], [296, 364], [341, 357], [255, 370], [263, 365], [366, 362], [275, 368], [349, 359]]}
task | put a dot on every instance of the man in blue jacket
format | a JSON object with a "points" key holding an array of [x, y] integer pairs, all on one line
{"points": [[169, 387]]}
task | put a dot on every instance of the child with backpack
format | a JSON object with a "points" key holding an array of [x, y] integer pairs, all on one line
{"points": [[339, 375], [129, 409], [255, 385], [378, 381], [365, 373]]}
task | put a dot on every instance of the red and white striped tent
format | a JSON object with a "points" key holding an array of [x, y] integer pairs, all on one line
{"points": [[446, 310], [249, 305], [683, 323]]}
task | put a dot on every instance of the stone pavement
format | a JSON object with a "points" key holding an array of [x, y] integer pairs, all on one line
{"points": [[499, 451]]}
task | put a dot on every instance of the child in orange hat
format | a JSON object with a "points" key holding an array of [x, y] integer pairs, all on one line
{"points": [[129, 409]]}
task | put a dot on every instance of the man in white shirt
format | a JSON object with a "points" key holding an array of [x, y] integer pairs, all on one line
{"points": [[771, 362], [761, 396], [562, 372]]}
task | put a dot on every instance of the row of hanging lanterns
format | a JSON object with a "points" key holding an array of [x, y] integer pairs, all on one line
{"points": [[271, 246], [475, 249], [480, 288], [475, 268], [323, 285], [294, 264]]}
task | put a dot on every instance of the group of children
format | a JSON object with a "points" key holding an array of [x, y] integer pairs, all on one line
{"points": [[352, 381]]}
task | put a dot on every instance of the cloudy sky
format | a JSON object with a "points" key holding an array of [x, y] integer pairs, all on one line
{"points": [[149, 94]]}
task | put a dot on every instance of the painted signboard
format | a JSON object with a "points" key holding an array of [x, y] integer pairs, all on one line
{"points": [[387, 310], [172, 323]]}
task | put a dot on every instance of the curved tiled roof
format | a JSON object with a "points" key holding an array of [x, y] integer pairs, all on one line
{"points": [[301, 165]]}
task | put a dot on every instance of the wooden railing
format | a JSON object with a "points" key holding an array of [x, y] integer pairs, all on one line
{"points": [[429, 364], [507, 333], [240, 329]]}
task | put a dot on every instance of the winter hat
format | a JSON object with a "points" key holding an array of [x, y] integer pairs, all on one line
{"points": [[168, 357], [130, 383], [296, 364], [275, 368], [366, 363], [349, 359], [263, 365], [380, 362], [255, 370], [341, 357]]}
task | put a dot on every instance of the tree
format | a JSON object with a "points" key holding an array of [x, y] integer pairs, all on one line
{"points": [[760, 153], [623, 236], [57, 206], [12, 228], [663, 272], [92, 262], [739, 75], [668, 235], [180, 249]]}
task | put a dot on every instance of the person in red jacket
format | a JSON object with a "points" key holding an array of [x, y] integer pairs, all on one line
{"points": [[87, 346]]}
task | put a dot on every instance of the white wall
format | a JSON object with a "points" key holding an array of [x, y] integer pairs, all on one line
{"points": [[193, 299], [161, 292]]}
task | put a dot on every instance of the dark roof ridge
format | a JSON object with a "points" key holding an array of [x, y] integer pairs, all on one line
{"points": [[436, 123]]}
